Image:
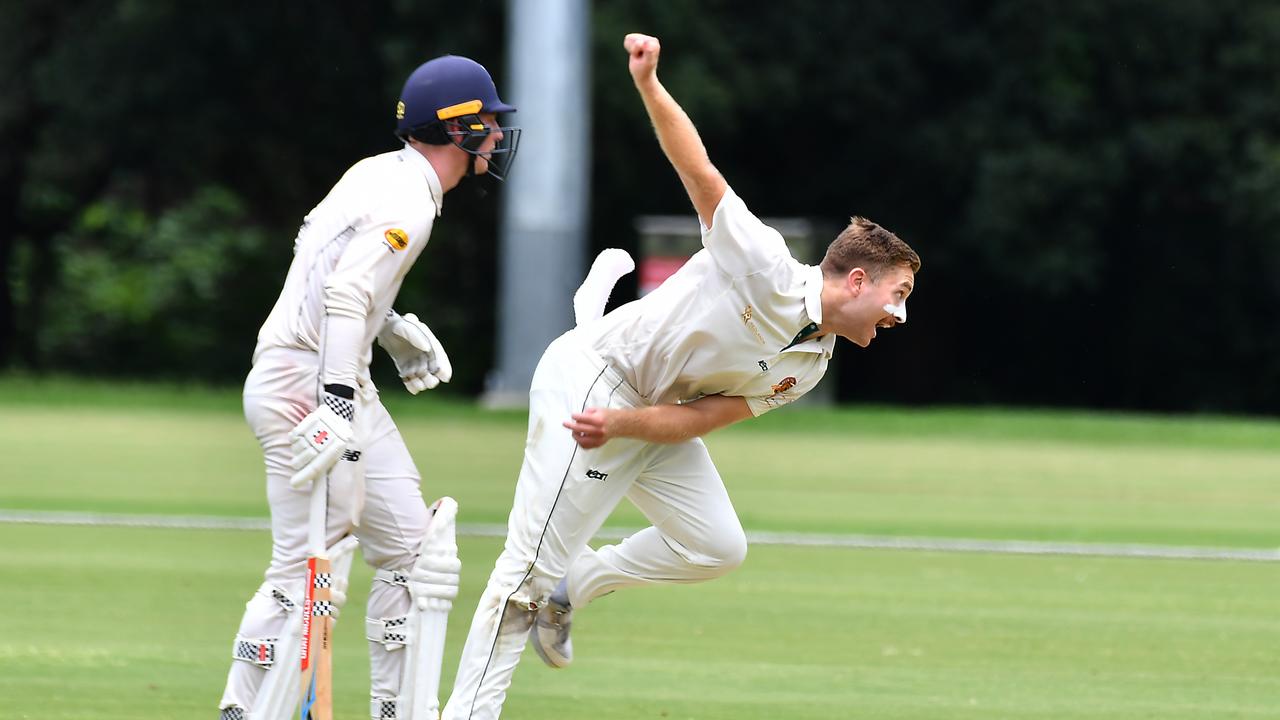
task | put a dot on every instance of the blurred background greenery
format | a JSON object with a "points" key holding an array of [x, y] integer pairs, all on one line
{"points": [[1093, 186]]}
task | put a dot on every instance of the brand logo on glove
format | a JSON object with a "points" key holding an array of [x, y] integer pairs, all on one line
{"points": [[397, 239], [597, 475], [320, 438], [351, 455]]}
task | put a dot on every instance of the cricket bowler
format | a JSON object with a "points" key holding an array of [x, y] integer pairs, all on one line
{"points": [[618, 405]]}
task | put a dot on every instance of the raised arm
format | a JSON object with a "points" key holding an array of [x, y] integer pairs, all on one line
{"points": [[676, 133]]}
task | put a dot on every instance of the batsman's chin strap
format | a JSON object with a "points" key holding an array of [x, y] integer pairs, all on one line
{"points": [[476, 183]]}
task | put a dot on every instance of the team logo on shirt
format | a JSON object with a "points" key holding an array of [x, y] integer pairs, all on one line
{"points": [[747, 314], [396, 239], [780, 396]]}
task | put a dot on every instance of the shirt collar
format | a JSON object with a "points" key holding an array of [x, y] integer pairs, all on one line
{"points": [[416, 159], [813, 292], [813, 308]]}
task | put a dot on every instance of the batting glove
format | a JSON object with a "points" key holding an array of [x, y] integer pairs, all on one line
{"points": [[318, 441], [419, 356]]}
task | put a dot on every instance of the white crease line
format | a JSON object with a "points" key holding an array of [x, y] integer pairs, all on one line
{"points": [[869, 542]]}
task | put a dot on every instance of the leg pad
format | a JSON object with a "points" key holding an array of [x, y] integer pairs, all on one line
{"points": [[385, 708], [257, 651]]}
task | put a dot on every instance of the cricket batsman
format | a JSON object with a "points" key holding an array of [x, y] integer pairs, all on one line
{"points": [[316, 413], [619, 404]]}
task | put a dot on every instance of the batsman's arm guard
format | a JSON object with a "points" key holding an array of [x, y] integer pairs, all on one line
{"points": [[432, 585], [277, 697]]}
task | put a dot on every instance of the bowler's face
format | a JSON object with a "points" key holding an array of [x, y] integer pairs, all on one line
{"points": [[878, 296]]}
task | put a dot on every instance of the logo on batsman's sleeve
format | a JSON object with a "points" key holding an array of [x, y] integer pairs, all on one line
{"points": [[397, 239]]}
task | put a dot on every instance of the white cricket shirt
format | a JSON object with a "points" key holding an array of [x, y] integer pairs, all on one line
{"points": [[724, 323], [353, 251]]}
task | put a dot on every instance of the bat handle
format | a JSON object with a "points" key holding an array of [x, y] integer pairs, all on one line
{"points": [[319, 518]]}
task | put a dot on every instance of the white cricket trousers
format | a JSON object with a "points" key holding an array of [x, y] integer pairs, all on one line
{"points": [[280, 391], [563, 496]]}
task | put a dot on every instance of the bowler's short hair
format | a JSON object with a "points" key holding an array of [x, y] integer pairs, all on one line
{"points": [[866, 245]]}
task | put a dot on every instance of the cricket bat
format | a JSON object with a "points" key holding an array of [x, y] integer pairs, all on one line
{"points": [[317, 613]]}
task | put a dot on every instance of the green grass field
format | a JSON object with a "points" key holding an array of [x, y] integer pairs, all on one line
{"points": [[114, 622]]}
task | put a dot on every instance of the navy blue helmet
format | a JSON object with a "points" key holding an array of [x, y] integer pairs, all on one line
{"points": [[441, 105]]}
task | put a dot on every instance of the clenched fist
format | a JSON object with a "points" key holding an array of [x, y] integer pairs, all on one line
{"points": [[643, 51]]}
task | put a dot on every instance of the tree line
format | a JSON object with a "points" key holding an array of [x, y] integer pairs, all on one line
{"points": [[1092, 186]]}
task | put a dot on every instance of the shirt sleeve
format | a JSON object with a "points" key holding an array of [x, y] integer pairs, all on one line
{"points": [[372, 260], [737, 240], [786, 391]]}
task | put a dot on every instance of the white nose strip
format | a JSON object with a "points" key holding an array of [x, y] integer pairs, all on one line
{"points": [[899, 312]]}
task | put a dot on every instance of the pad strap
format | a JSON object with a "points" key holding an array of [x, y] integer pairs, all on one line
{"points": [[283, 600], [394, 632], [385, 708], [256, 651], [392, 577]]}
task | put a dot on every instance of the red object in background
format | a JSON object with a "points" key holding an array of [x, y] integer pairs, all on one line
{"points": [[653, 270]]}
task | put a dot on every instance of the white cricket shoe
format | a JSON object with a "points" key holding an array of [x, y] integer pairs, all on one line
{"points": [[550, 636]]}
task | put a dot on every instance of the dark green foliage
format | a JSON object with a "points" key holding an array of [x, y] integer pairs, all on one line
{"points": [[1092, 186], [157, 296]]}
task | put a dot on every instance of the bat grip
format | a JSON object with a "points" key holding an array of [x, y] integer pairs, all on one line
{"points": [[319, 517]]}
